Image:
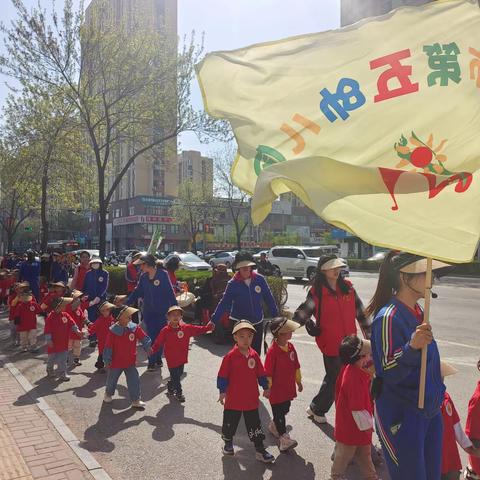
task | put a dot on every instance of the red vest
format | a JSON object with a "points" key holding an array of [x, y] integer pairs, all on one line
{"points": [[337, 319]]}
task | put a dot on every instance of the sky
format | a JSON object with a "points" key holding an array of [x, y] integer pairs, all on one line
{"points": [[227, 24]]}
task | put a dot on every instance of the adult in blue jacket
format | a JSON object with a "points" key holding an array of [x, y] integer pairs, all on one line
{"points": [[59, 272], [411, 437], [156, 291], [95, 287], [30, 272], [244, 296]]}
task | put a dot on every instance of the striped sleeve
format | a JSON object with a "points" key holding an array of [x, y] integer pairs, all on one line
{"points": [[392, 347]]}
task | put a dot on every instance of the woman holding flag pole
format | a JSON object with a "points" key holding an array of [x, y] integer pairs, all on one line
{"points": [[411, 436]]}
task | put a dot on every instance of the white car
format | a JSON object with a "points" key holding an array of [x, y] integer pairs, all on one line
{"points": [[222, 257], [299, 262], [190, 262]]}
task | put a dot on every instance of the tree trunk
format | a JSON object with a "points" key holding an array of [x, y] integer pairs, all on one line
{"points": [[43, 211], [102, 214]]}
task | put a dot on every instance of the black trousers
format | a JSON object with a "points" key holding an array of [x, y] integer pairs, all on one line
{"points": [[280, 411], [252, 423], [322, 402], [174, 385]]}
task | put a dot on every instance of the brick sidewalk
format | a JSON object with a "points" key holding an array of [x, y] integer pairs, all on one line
{"points": [[30, 447]]}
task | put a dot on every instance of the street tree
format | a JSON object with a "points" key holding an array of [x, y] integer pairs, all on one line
{"points": [[236, 201], [16, 199], [194, 208], [128, 85], [44, 128]]}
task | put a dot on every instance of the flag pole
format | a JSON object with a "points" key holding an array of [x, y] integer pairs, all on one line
{"points": [[426, 319]]}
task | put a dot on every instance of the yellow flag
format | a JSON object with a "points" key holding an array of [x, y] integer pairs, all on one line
{"points": [[375, 126]]}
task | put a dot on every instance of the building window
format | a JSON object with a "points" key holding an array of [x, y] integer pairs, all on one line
{"points": [[131, 211]]}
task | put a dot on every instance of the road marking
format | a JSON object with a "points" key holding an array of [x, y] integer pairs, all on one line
{"points": [[439, 341]]}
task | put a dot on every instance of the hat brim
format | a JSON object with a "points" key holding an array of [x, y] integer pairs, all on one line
{"points": [[138, 261], [95, 260], [76, 294], [420, 266], [58, 284], [105, 305], [243, 325], [289, 326], [22, 285], [333, 263], [446, 369], [127, 312], [245, 263], [175, 308]]}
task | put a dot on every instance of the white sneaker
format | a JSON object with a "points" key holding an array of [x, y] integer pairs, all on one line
{"points": [[107, 398], [286, 443], [138, 404], [316, 418], [273, 429]]}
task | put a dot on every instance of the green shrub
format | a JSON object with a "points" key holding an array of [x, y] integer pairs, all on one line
{"points": [[118, 286]]}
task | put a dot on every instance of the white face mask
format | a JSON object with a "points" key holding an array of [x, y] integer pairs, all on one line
{"points": [[95, 266]]}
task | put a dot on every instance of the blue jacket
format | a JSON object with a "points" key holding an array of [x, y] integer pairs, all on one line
{"points": [[399, 365], [31, 272], [244, 302], [158, 297], [59, 273], [96, 284]]}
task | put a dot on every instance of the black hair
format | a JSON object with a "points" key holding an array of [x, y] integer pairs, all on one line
{"points": [[350, 349], [389, 281], [320, 280]]}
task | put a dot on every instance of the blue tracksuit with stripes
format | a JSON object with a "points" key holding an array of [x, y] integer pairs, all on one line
{"points": [[411, 438]]}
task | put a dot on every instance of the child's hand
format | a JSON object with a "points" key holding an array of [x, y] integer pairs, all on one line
{"points": [[221, 398], [300, 387], [474, 451], [211, 326], [266, 393]]}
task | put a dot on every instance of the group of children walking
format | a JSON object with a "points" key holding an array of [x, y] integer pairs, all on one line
{"points": [[239, 377]]}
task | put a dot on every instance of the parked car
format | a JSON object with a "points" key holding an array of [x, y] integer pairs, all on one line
{"points": [[299, 262], [93, 253], [222, 257], [377, 257], [190, 262]]}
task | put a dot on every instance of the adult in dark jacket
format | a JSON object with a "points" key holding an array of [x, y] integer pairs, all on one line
{"points": [[30, 272], [59, 272], [155, 289], [334, 303], [244, 297], [95, 287]]}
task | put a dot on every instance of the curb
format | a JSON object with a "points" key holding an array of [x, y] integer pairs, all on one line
{"points": [[93, 467]]}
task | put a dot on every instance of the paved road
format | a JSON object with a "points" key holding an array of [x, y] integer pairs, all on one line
{"points": [[170, 440]]}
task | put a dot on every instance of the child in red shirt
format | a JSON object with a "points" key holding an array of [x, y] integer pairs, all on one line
{"points": [[13, 299], [120, 354], [78, 311], [452, 434], [354, 410], [25, 314], [56, 290], [175, 338], [283, 372], [101, 328], [472, 429], [43, 289], [4, 287], [238, 378], [58, 326]]}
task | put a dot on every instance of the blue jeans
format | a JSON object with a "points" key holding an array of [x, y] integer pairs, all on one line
{"points": [[59, 358], [174, 385], [133, 381]]}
